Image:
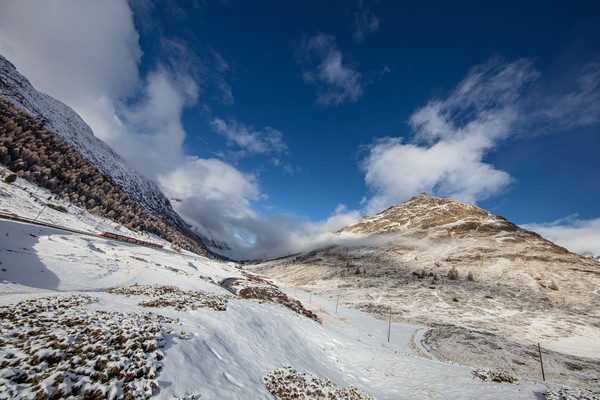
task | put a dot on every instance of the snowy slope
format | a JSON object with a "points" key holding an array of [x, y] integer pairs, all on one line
{"points": [[66, 123], [204, 353]]}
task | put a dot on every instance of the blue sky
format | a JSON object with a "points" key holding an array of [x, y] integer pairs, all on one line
{"points": [[272, 124]]}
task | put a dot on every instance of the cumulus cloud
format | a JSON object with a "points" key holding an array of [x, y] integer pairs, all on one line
{"points": [[581, 236], [365, 22], [212, 195], [336, 82], [98, 51], [451, 137], [249, 140], [87, 55]]}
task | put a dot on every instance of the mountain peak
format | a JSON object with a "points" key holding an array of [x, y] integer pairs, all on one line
{"points": [[432, 216]]}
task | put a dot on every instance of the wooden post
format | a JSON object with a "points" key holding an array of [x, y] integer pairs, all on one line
{"points": [[336, 303], [310, 299], [541, 362], [390, 326]]}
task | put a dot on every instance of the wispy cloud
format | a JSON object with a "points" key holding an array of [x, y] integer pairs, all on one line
{"points": [[581, 236], [250, 141], [579, 105], [365, 22], [324, 67], [450, 138]]}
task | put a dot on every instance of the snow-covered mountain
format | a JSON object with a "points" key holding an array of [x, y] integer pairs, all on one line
{"points": [[481, 280], [66, 123]]}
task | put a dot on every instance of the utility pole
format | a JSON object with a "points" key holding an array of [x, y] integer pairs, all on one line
{"points": [[43, 208], [541, 362], [390, 325]]}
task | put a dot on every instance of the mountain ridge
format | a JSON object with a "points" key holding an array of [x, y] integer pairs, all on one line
{"points": [[69, 126]]}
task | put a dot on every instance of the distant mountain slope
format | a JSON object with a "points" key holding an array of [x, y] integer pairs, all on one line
{"points": [[67, 124], [445, 263]]}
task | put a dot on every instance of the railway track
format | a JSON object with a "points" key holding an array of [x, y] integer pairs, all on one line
{"points": [[18, 218]]}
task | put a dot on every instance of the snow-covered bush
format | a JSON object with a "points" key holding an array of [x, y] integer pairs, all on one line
{"points": [[573, 394], [287, 383], [255, 287], [10, 178], [494, 376]]}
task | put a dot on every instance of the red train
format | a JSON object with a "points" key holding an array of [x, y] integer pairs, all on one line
{"points": [[129, 239]]}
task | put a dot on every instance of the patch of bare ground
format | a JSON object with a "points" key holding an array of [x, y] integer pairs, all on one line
{"points": [[480, 349], [171, 296], [258, 288]]}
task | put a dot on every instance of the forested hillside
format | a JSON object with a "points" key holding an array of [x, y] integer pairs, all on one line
{"points": [[41, 157]]}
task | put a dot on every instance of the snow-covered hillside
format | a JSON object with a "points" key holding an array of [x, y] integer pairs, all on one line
{"points": [[492, 290], [171, 331], [66, 123]]}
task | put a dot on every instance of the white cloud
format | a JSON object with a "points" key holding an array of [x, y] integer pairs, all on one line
{"points": [[282, 234], [451, 138], [324, 68], [72, 47], [218, 198], [578, 235], [211, 194], [365, 22], [86, 54], [249, 140]]}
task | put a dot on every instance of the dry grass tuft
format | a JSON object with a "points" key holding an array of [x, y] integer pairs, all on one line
{"points": [[171, 296], [286, 384], [53, 348]]}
